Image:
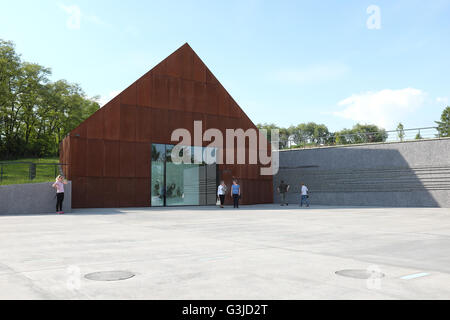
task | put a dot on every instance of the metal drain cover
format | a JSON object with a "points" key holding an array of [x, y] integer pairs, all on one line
{"points": [[360, 274], [110, 275]]}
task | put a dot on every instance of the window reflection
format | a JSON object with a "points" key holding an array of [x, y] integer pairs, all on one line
{"points": [[178, 184]]}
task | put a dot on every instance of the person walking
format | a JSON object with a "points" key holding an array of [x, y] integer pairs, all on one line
{"points": [[235, 193], [221, 192], [59, 186], [304, 196], [283, 188]]}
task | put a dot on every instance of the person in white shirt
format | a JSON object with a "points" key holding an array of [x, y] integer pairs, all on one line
{"points": [[304, 196], [221, 192]]}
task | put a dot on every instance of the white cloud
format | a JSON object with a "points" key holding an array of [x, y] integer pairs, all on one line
{"points": [[105, 99], [73, 21], [443, 100], [313, 74], [385, 108]]}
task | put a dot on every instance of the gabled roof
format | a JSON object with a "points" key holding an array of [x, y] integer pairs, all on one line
{"points": [[181, 81]]}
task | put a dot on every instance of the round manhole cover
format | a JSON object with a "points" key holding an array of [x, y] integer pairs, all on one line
{"points": [[360, 274], [110, 275]]}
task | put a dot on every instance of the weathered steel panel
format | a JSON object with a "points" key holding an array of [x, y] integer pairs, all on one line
{"points": [[180, 63], [199, 69], [187, 95], [224, 102], [212, 99], [111, 120], [129, 95], [159, 124], [94, 192], [79, 157], [144, 91], [175, 97], [95, 158], [210, 78], [177, 120], [142, 192], [160, 90], [143, 160], [143, 124], [95, 125], [127, 159], [112, 159], [111, 195], [127, 192], [80, 131], [200, 97], [79, 192], [127, 123]]}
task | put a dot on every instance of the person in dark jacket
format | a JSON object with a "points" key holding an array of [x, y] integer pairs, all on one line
{"points": [[283, 188]]}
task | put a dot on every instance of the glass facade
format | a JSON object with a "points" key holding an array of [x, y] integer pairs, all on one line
{"points": [[183, 184]]}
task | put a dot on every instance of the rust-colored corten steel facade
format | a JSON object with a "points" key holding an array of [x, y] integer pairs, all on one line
{"points": [[109, 154]]}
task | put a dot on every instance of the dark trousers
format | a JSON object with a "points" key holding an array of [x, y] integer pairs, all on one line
{"points": [[236, 200], [222, 199], [283, 198], [59, 201]]}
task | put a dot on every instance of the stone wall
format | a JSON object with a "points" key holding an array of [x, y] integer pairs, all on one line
{"points": [[34, 198], [408, 174]]}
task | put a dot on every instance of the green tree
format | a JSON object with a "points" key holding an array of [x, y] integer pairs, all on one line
{"points": [[361, 133], [310, 133], [400, 131], [285, 134], [268, 127], [444, 125], [36, 114], [10, 66]]}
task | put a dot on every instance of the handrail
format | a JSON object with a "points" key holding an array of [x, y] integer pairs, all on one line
{"points": [[365, 137]]}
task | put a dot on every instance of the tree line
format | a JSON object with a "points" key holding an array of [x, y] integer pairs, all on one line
{"points": [[36, 113], [313, 134]]}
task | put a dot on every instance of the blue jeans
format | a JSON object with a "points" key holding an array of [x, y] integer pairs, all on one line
{"points": [[304, 200]]}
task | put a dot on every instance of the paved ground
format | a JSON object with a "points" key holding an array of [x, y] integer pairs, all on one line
{"points": [[257, 252]]}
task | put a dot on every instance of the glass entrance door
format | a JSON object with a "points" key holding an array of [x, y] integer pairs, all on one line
{"points": [[185, 184], [158, 186]]}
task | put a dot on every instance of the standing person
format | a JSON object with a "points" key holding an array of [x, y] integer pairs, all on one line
{"points": [[221, 192], [59, 186], [305, 196], [283, 188], [235, 193]]}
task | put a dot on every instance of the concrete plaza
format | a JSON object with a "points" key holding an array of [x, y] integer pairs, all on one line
{"points": [[256, 252]]}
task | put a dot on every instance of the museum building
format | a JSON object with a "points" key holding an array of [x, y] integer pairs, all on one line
{"points": [[120, 156]]}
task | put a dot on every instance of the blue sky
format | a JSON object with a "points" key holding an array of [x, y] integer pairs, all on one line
{"points": [[285, 62]]}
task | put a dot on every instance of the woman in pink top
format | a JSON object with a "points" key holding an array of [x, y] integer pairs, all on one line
{"points": [[59, 186]]}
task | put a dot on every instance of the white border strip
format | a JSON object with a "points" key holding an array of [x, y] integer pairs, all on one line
{"points": [[415, 275]]}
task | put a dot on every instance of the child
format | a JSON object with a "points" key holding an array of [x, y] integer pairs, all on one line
{"points": [[59, 186]]}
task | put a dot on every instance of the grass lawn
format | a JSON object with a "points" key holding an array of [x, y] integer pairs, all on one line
{"points": [[17, 171]]}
